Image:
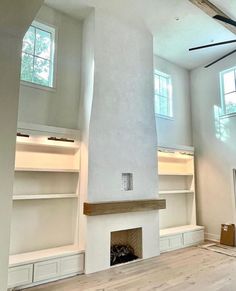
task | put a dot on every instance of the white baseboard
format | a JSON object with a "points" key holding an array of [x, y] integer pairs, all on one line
{"points": [[212, 237]]}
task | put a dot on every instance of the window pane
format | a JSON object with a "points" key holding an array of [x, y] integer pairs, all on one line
{"points": [[26, 67], [28, 41], [229, 82], [163, 106], [41, 71], [43, 44], [157, 84], [230, 103], [163, 86]]}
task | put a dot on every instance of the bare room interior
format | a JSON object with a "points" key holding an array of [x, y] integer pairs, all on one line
{"points": [[118, 145]]}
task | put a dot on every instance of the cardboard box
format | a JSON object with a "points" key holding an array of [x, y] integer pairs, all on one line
{"points": [[227, 236]]}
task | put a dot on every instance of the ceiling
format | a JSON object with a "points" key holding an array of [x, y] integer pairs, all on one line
{"points": [[176, 25]]}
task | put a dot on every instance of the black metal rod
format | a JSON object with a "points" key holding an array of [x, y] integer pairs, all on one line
{"points": [[225, 56], [212, 44], [225, 19], [22, 134]]}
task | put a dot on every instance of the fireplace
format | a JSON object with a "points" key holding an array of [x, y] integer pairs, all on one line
{"points": [[125, 246]]}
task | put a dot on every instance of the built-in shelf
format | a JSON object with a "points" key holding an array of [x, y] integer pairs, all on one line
{"points": [[44, 196], [42, 255], [45, 130], [179, 229], [45, 143], [175, 192], [46, 170]]}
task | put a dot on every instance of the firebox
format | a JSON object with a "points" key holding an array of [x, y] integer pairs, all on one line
{"points": [[126, 245]]}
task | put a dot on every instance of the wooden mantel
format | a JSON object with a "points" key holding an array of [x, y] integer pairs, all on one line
{"points": [[112, 207]]}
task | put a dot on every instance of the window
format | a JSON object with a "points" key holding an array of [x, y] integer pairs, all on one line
{"points": [[37, 59], [228, 90], [163, 94]]}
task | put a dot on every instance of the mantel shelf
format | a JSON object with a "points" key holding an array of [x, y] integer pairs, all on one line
{"points": [[112, 207]]}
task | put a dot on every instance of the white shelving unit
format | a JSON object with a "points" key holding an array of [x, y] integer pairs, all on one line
{"points": [[178, 227], [44, 236]]}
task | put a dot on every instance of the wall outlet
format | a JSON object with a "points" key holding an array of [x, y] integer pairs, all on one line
{"points": [[127, 181]]}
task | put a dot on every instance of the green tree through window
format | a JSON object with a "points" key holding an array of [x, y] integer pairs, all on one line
{"points": [[38, 55]]}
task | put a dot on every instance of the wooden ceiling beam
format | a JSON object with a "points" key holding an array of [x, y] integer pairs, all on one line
{"points": [[211, 10]]}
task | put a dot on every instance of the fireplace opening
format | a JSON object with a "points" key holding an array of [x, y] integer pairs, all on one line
{"points": [[126, 246]]}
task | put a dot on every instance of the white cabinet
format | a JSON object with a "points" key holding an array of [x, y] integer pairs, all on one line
{"points": [[180, 237], [19, 276], [46, 270], [43, 269], [178, 227], [172, 242], [45, 195], [193, 237], [72, 264]]}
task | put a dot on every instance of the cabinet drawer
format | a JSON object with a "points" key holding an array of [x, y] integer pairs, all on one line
{"points": [[72, 264], [19, 276], [46, 270], [193, 237]]}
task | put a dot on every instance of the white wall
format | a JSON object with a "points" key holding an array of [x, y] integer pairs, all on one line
{"points": [[61, 106], [20, 14], [214, 141], [87, 82], [178, 130]]}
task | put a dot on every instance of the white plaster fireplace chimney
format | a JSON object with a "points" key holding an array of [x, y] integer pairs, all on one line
{"points": [[118, 134]]}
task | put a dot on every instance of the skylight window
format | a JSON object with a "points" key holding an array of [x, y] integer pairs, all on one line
{"points": [[37, 61]]}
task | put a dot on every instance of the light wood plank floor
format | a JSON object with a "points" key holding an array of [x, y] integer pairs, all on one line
{"points": [[188, 269]]}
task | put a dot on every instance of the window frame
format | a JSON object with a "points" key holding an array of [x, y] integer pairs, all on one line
{"points": [[222, 92], [38, 23], [169, 97]]}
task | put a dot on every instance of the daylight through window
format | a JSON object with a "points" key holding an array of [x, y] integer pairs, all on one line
{"points": [[163, 94], [38, 55], [228, 90]]}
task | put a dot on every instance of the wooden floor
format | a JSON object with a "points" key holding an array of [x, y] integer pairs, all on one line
{"points": [[192, 269]]}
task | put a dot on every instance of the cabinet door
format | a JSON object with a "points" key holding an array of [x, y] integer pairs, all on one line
{"points": [[164, 244], [20, 276], [46, 270], [176, 241], [72, 265], [193, 237]]}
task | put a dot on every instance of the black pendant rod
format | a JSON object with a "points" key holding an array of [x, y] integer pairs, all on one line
{"points": [[230, 53], [225, 19], [212, 44]]}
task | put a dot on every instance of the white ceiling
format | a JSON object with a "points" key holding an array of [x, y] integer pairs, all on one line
{"points": [[172, 38]]}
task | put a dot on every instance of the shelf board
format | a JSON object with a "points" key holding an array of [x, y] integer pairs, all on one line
{"points": [[176, 192], [22, 142], [43, 196], [175, 174], [40, 129], [182, 148], [179, 229], [37, 256], [46, 170]]}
